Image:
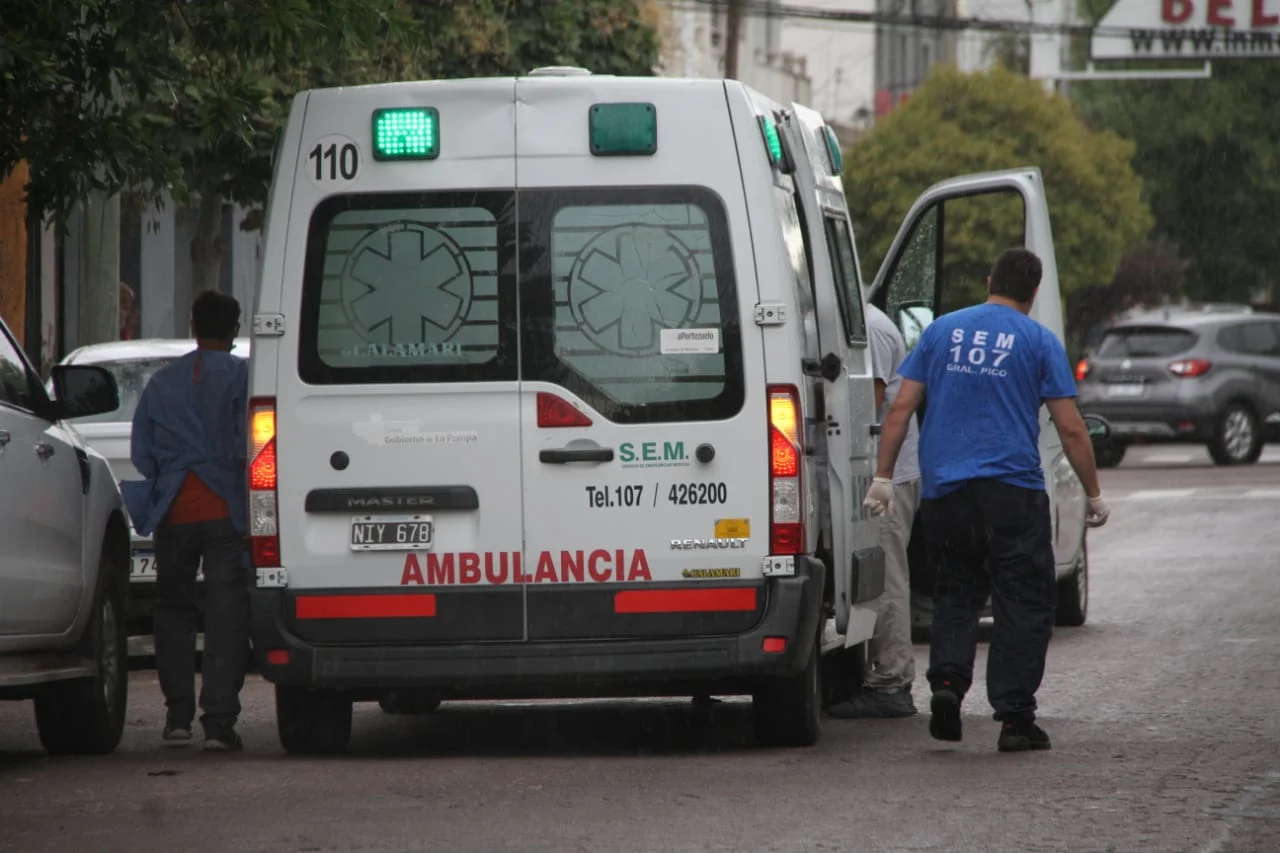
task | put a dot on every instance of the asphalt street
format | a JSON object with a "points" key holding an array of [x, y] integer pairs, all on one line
{"points": [[1163, 712]]}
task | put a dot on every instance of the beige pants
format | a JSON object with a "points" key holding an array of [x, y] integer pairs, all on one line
{"points": [[891, 663]]}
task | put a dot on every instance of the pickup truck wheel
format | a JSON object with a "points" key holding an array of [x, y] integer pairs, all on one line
{"points": [[86, 715], [312, 722], [1073, 593], [787, 710]]}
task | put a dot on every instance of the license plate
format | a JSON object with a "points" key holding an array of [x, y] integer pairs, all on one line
{"points": [[1127, 389], [143, 569], [391, 532]]}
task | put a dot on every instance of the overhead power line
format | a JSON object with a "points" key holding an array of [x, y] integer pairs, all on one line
{"points": [[762, 9]]}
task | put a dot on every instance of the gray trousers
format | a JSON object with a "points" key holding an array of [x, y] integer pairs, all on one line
{"points": [[891, 661], [224, 602]]}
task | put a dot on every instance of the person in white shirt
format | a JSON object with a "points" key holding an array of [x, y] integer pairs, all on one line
{"points": [[891, 666]]}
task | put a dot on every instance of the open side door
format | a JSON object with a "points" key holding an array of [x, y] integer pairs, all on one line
{"points": [[926, 272], [845, 368]]}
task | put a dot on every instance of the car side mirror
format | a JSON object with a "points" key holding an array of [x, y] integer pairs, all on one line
{"points": [[912, 321], [1099, 429], [82, 390]]}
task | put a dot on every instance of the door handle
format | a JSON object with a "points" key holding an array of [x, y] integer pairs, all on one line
{"points": [[4, 437], [559, 456], [830, 368], [44, 450], [875, 429]]}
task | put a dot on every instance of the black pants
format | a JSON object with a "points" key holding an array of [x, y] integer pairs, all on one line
{"points": [[225, 605], [992, 539]]}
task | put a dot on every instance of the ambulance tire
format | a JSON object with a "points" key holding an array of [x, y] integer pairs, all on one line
{"points": [[843, 671], [788, 710], [312, 722]]}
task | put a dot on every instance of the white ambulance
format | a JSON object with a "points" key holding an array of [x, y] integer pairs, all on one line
{"points": [[561, 388]]}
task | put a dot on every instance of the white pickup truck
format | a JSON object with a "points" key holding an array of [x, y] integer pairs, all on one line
{"points": [[64, 558]]}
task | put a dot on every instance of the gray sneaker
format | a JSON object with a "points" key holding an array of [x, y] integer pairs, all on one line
{"points": [[876, 704]]}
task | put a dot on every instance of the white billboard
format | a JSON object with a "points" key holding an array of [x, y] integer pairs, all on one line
{"points": [[1189, 29]]}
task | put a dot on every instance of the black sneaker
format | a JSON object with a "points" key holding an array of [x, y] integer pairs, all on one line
{"points": [[875, 704], [223, 742], [944, 724], [176, 735], [1022, 735]]}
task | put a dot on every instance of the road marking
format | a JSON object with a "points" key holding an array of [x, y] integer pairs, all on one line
{"points": [[1262, 493], [1159, 494], [1168, 457]]}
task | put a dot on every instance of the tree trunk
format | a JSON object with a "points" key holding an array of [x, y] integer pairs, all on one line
{"points": [[207, 246]]}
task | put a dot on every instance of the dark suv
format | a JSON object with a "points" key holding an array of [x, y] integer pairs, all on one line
{"points": [[1210, 379]]}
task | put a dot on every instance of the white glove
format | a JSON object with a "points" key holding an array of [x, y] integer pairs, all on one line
{"points": [[879, 497], [1097, 513]]}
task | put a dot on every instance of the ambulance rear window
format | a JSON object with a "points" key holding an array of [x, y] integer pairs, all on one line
{"points": [[629, 301], [409, 288]]}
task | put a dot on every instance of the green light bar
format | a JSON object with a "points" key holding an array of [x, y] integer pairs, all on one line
{"points": [[833, 150], [772, 143], [409, 133], [617, 130]]}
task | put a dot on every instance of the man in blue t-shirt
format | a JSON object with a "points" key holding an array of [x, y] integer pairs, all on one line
{"points": [[986, 371]]}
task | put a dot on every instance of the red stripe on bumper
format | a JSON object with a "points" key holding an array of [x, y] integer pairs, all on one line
{"points": [[364, 606], [684, 600]]}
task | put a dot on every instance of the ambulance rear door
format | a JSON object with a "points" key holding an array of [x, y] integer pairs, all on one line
{"points": [[645, 452], [397, 415]]}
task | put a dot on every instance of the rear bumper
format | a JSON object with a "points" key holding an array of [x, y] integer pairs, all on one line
{"points": [[1164, 422], [549, 668]]}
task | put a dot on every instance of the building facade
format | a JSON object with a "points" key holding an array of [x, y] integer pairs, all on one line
{"points": [[906, 51]]}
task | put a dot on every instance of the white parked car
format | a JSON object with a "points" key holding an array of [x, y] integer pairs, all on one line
{"points": [[132, 364], [64, 560]]}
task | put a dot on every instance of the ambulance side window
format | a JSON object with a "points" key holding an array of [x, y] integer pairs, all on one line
{"points": [[844, 263], [793, 237], [409, 287], [628, 299]]}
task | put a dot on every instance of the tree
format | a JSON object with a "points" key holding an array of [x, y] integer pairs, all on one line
{"points": [[1209, 155], [75, 79], [189, 97], [1149, 275], [958, 123]]}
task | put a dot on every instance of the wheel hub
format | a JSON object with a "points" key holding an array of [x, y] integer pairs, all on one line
{"points": [[1237, 434]]}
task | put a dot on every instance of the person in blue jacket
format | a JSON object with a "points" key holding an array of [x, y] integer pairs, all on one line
{"points": [[189, 444]]}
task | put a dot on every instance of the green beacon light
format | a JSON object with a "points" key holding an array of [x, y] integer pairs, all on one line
{"points": [[772, 143], [833, 151], [407, 133], [619, 130]]}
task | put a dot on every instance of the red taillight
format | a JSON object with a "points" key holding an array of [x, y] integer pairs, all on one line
{"points": [[786, 447], [1190, 367], [1082, 369], [264, 534], [555, 412], [773, 645]]}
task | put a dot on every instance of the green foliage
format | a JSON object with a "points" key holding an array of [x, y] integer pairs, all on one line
{"points": [[76, 83], [103, 94], [1209, 155], [962, 123]]}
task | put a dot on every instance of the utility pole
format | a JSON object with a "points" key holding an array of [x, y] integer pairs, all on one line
{"points": [[732, 34]]}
